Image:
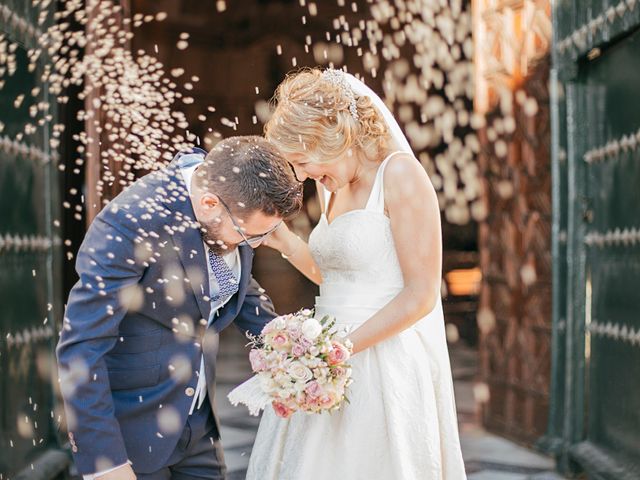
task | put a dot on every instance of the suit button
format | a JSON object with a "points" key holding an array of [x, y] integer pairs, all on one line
{"points": [[189, 392]]}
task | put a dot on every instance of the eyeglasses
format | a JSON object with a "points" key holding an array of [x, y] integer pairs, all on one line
{"points": [[254, 239]]}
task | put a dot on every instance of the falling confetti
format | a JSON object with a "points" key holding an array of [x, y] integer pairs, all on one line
{"points": [[419, 51], [424, 62]]}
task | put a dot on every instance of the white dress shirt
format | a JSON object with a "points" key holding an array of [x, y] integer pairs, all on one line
{"points": [[233, 261]]}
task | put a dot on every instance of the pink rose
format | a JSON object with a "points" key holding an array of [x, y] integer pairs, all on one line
{"points": [[327, 400], [313, 389], [268, 328], [280, 341], [312, 404], [338, 354], [297, 350], [281, 409], [258, 362], [294, 330]]}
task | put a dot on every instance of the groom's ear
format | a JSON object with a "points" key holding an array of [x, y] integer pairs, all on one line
{"points": [[209, 201]]}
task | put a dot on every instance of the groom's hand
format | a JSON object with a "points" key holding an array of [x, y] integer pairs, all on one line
{"points": [[124, 472]]}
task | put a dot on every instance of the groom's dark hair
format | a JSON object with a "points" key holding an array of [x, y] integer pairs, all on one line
{"points": [[250, 175]]}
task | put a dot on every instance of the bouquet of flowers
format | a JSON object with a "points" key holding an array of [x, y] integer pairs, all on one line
{"points": [[300, 364]]}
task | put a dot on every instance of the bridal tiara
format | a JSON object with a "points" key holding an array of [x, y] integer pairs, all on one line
{"points": [[339, 78]]}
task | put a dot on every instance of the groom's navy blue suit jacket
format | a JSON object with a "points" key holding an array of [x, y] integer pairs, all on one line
{"points": [[135, 326]]}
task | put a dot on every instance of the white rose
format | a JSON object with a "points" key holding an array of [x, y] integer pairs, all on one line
{"points": [[311, 328], [299, 372], [275, 360], [281, 378], [325, 347], [322, 372], [267, 383], [283, 393], [313, 350], [314, 362], [309, 361]]}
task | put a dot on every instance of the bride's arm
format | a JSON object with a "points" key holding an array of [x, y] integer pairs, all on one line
{"points": [[296, 250], [412, 205]]}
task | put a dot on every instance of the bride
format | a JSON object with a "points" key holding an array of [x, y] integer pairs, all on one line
{"points": [[376, 254]]}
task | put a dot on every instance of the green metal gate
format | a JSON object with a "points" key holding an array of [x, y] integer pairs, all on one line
{"points": [[595, 409], [29, 253]]}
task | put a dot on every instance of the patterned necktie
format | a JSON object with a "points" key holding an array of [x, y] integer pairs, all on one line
{"points": [[227, 282]]}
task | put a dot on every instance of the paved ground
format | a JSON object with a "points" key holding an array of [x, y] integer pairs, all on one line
{"points": [[487, 457]]}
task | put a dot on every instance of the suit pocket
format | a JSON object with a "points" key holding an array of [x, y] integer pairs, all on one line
{"points": [[133, 378], [138, 343], [133, 362]]}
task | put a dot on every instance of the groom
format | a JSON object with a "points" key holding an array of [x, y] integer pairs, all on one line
{"points": [[163, 269]]}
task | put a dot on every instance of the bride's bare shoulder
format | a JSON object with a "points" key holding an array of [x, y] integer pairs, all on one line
{"points": [[402, 170], [405, 177]]}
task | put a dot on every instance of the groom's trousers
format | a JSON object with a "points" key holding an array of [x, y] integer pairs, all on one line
{"points": [[198, 454]]}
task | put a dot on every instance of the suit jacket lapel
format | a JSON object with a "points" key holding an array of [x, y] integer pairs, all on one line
{"points": [[185, 233]]}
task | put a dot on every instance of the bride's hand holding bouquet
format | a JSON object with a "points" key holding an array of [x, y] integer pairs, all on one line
{"points": [[300, 364]]}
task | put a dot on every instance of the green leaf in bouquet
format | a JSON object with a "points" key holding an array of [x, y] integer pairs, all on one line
{"points": [[326, 327]]}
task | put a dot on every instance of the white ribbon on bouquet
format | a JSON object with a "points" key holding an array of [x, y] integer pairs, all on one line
{"points": [[251, 394]]}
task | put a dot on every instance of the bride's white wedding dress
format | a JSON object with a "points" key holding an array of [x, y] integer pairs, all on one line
{"points": [[401, 421]]}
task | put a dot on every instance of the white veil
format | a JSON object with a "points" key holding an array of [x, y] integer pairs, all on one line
{"points": [[359, 88]]}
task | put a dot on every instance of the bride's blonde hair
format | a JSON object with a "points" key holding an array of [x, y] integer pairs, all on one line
{"points": [[313, 117]]}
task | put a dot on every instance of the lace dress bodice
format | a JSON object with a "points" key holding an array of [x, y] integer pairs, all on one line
{"points": [[356, 253]]}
